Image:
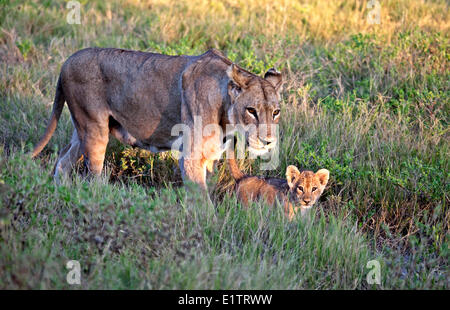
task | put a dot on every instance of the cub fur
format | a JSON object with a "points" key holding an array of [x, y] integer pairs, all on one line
{"points": [[299, 191]]}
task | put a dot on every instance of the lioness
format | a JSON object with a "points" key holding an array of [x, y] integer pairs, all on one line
{"points": [[299, 191], [139, 97]]}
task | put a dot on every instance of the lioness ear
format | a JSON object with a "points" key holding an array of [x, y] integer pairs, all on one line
{"points": [[292, 174], [275, 78], [323, 176]]}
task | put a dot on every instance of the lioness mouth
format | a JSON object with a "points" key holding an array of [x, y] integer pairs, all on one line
{"points": [[258, 150], [258, 147]]}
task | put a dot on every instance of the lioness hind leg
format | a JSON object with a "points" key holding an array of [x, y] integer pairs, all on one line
{"points": [[68, 157]]}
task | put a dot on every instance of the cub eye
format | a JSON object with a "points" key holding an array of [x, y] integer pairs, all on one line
{"points": [[252, 111], [313, 189], [275, 113], [300, 188]]}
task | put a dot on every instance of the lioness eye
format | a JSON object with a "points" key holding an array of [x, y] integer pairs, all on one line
{"points": [[300, 188], [252, 111], [275, 113], [313, 189]]}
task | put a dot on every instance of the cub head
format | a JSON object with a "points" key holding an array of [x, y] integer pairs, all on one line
{"points": [[255, 106], [305, 187]]}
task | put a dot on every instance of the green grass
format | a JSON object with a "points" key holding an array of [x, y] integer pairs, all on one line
{"points": [[125, 236], [368, 102]]}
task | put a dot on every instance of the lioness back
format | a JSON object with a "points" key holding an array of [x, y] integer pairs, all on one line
{"points": [[123, 83]]}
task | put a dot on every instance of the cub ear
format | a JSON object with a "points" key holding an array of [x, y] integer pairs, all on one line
{"points": [[239, 80], [292, 174], [323, 176], [275, 78]]}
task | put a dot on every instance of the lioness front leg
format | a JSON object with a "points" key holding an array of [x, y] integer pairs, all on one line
{"points": [[193, 170]]}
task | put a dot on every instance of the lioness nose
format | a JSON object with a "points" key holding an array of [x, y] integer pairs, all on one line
{"points": [[268, 140], [306, 201]]}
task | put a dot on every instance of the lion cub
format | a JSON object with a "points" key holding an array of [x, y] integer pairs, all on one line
{"points": [[299, 191]]}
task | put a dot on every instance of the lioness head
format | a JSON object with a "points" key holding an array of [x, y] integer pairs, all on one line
{"points": [[255, 106], [305, 187]]}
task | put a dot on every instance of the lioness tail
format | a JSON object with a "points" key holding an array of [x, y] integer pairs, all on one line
{"points": [[58, 105]]}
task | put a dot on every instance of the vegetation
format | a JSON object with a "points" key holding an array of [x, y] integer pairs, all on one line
{"points": [[369, 102]]}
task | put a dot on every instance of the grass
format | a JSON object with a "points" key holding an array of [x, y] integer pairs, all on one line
{"points": [[125, 236], [368, 102]]}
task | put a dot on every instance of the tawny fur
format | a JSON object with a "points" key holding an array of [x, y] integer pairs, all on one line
{"points": [[138, 97]]}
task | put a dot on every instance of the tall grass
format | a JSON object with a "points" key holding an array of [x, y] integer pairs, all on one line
{"points": [[369, 102]]}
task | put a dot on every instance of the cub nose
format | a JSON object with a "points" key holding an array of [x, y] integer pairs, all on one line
{"points": [[306, 201]]}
